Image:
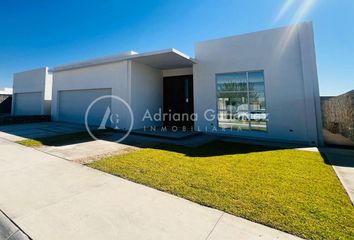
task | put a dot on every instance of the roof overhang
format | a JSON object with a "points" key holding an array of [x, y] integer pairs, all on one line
{"points": [[162, 59]]}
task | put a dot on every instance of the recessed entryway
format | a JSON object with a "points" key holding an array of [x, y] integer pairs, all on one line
{"points": [[178, 101]]}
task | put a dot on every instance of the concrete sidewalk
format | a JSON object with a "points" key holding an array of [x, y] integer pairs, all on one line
{"points": [[23, 131], [50, 198]]}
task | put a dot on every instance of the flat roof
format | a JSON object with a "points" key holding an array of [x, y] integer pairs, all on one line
{"points": [[163, 59]]}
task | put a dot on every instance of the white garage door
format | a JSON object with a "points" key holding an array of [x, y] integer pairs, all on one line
{"points": [[73, 105], [28, 103]]}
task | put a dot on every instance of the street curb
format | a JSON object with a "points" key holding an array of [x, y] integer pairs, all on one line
{"points": [[9, 230]]}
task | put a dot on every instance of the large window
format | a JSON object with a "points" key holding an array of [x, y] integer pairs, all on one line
{"points": [[241, 101]]}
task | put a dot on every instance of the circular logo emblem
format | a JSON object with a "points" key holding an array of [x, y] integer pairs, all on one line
{"points": [[100, 113]]}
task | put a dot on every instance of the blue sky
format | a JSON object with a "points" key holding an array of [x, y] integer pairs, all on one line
{"points": [[38, 33]]}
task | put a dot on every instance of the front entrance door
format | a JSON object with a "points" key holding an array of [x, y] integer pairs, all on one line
{"points": [[178, 101]]}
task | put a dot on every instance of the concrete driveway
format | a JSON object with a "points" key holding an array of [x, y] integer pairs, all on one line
{"points": [[77, 151], [88, 149], [19, 132], [50, 198]]}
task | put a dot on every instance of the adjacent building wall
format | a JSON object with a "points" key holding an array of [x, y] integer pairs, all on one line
{"points": [[287, 56], [32, 92], [338, 114]]}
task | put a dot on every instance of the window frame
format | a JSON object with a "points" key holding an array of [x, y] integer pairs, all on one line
{"points": [[248, 99]]}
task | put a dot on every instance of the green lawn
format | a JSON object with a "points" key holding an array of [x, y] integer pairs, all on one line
{"points": [[294, 191]]}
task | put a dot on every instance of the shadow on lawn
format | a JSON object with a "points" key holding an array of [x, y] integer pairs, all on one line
{"points": [[215, 148], [67, 139], [338, 157]]}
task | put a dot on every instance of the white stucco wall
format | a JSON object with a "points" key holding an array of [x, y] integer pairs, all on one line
{"points": [[113, 76], [287, 56], [146, 93], [32, 82]]}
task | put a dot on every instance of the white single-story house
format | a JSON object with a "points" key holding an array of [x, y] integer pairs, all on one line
{"points": [[260, 85], [32, 92]]}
